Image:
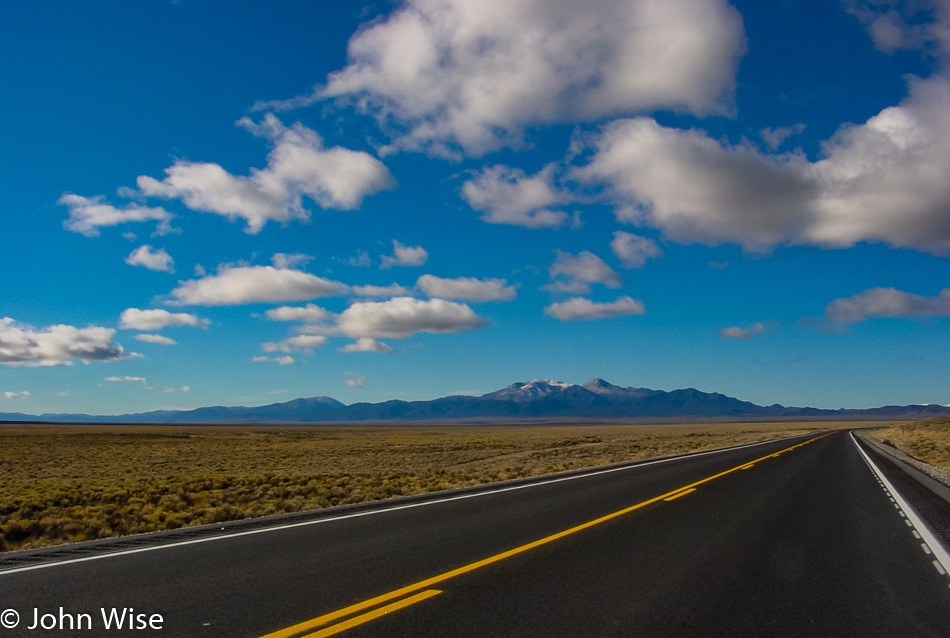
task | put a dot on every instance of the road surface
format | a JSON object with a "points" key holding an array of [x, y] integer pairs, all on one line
{"points": [[798, 537]]}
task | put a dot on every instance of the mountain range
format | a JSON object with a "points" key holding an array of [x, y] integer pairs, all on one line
{"points": [[531, 400]]}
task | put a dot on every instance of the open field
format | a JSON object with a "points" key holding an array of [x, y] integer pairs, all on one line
{"points": [[927, 440], [70, 483]]}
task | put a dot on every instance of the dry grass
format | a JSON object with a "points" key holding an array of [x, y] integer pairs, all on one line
{"points": [[927, 440], [69, 483]]}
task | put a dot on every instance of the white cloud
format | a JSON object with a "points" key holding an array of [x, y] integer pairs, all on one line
{"points": [[361, 260], [743, 333], [367, 344], [508, 196], [135, 319], [147, 257], [159, 339], [576, 272], [282, 361], [881, 181], [22, 345], [469, 75], [900, 24], [327, 329], [404, 256], [16, 395], [290, 260], [580, 309], [404, 316], [354, 380], [88, 214], [184, 388], [885, 180], [254, 284], [693, 188], [297, 167], [887, 302], [392, 290], [634, 250], [300, 343], [775, 137], [310, 312], [132, 379], [466, 288]]}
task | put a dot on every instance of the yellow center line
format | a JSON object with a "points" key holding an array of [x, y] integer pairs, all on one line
{"points": [[434, 580], [679, 494], [370, 615]]}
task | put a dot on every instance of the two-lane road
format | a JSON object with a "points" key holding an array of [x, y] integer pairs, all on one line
{"points": [[796, 537]]}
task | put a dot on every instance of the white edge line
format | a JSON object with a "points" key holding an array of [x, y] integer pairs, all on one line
{"points": [[383, 510], [934, 542]]}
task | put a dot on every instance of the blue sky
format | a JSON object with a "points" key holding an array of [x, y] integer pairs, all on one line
{"points": [[222, 203]]}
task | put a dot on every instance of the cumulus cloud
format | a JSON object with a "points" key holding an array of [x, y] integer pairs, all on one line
{"points": [[906, 24], [367, 344], [58, 345], [634, 250], [451, 76], [290, 260], [466, 288], [404, 256], [775, 137], [743, 333], [887, 302], [354, 380], [254, 284], [581, 309], [136, 319], [16, 395], [300, 343], [88, 214], [282, 361], [184, 388], [310, 312], [360, 260], [881, 181], [508, 196], [132, 379], [573, 273], [885, 180], [392, 290], [403, 317], [693, 188], [147, 257], [159, 339], [298, 166]]}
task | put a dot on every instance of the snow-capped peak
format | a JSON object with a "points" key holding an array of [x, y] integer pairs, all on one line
{"points": [[546, 382], [530, 390]]}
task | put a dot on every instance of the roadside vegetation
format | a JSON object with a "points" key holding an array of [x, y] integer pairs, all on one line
{"points": [[61, 484], [927, 440]]}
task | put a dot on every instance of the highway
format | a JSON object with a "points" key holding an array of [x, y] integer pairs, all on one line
{"points": [[798, 537]]}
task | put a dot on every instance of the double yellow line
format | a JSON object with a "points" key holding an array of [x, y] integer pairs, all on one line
{"points": [[298, 630]]}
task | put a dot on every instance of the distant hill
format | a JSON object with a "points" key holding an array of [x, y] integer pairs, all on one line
{"points": [[537, 399]]}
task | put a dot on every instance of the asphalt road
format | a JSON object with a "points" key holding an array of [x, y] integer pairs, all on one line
{"points": [[738, 542]]}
